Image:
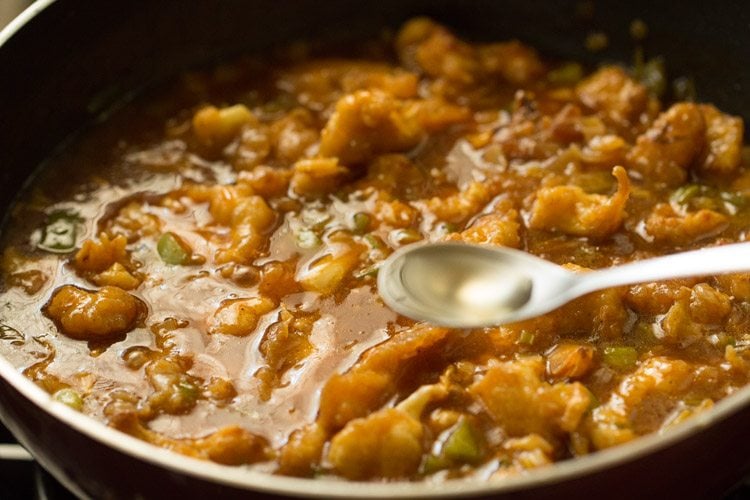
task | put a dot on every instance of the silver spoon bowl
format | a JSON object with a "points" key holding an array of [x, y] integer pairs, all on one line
{"points": [[470, 286]]}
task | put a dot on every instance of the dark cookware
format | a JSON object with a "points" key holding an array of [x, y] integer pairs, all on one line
{"points": [[65, 62]]}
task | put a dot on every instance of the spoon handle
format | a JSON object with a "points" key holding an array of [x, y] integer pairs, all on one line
{"points": [[702, 262]]}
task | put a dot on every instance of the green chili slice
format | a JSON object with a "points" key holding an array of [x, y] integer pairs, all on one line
{"points": [[306, 238], [620, 357], [463, 444], [361, 222], [434, 463], [59, 232], [69, 397], [172, 250], [189, 392], [683, 194]]}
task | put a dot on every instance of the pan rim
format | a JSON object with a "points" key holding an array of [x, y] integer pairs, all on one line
{"points": [[246, 479]]}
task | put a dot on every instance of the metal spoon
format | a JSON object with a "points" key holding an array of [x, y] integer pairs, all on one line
{"points": [[469, 286]]}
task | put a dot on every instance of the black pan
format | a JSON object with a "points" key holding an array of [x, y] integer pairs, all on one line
{"points": [[64, 63]]}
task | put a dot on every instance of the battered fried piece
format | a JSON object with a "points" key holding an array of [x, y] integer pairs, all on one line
{"points": [[570, 210], [239, 317], [94, 314], [317, 176], [386, 444], [521, 402], [230, 445], [493, 229], [367, 123], [658, 378], [613, 93], [694, 314], [667, 226], [462, 205], [96, 256], [326, 273], [439, 53], [216, 127], [723, 151], [285, 344], [666, 150], [250, 218], [370, 122]]}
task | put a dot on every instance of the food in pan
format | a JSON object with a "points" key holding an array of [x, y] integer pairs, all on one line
{"points": [[199, 270]]}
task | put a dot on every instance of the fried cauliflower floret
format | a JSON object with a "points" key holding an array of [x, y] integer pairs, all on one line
{"points": [[666, 150], [709, 305], [436, 51], [317, 176], [284, 345], [357, 453], [683, 324], [229, 445], [431, 48], [94, 314], [250, 220], [737, 285], [371, 381], [326, 273], [396, 175], [266, 181], [239, 317], [221, 199], [367, 123], [233, 445], [294, 134], [302, 451], [117, 275], [175, 392], [525, 453], [657, 298], [667, 226], [96, 256], [612, 92], [656, 383], [460, 206], [498, 228], [352, 395], [723, 151], [133, 222], [105, 262], [214, 126], [386, 444], [252, 147], [253, 211], [395, 213], [570, 210], [371, 122], [521, 402]]}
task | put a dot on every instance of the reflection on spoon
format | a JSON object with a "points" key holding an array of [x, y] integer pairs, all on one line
{"points": [[469, 286]]}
